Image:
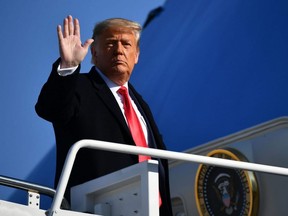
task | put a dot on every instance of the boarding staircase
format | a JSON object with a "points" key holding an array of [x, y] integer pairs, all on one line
{"points": [[133, 190]]}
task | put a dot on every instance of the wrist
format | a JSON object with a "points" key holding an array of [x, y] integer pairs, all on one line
{"points": [[64, 64]]}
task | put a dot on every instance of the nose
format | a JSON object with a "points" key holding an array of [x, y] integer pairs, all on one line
{"points": [[119, 48]]}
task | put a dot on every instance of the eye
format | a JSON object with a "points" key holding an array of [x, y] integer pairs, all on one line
{"points": [[109, 44], [126, 44]]}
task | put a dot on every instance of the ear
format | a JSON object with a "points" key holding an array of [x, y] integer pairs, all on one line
{"points": [[94, 54], [137, 56]]}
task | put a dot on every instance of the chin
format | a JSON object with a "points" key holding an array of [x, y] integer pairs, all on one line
{"points": [[120, 69]]}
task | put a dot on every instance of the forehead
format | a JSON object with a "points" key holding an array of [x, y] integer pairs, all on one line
{"points": [[116, 32]]}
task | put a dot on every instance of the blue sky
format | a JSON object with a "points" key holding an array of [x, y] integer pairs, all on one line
{"points": [[28, 49]]}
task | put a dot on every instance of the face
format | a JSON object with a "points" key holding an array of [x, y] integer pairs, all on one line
{"points": [[116, 53]]}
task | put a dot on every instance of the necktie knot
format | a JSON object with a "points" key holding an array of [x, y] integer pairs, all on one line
{"points": [[128, 109], [123, 91]]}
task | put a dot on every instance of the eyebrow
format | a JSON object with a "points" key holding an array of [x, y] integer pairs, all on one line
{"points": [[115, 39]]}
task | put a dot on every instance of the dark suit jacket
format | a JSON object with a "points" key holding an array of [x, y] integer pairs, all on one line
{"points": [[81, 106]]}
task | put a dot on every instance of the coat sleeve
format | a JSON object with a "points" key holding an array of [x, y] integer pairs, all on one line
{"points": [[57, 101]]}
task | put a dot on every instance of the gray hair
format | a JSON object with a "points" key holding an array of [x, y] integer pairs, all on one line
{"points": [[117, 22]]}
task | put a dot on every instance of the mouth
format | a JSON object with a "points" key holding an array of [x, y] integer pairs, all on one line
{"points": [[118, 62]]}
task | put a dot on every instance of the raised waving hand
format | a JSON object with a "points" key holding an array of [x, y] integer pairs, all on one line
{"points": [[72, 51]]}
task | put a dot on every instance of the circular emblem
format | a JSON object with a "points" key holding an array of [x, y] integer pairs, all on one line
{"points": [[221, 191]]}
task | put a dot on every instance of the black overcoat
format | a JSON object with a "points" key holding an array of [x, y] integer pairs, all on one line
{"points": [[81, 106]]}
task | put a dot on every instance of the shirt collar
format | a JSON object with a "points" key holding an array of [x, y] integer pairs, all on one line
{"points": [[112, 86]]}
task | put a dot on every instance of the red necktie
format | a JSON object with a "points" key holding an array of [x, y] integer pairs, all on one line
{"points": [[133, 122], [134, 125]]}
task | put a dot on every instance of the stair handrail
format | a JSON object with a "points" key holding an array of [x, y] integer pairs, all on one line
{"points": [[156, 153], [32, 187]]}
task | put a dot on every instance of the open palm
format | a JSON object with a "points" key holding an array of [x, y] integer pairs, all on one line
{"points": [[72, 51]]}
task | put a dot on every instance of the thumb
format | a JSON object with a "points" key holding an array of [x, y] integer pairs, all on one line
{"points": [[87, 43]]}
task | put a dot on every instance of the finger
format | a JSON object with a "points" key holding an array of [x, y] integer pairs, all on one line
{"points": [[59, 33], [76, 27], [70, 24], [65, 30], [87, 43]]}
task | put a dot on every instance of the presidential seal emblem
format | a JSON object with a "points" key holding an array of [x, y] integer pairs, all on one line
{"points": [[222, 191]]}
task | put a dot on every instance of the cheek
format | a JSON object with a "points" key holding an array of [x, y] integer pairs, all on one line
{"points": [[101, 56]]}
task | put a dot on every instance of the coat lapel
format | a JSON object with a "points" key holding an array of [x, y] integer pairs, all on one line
{"points": [[139, 103], [107, 97]]}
